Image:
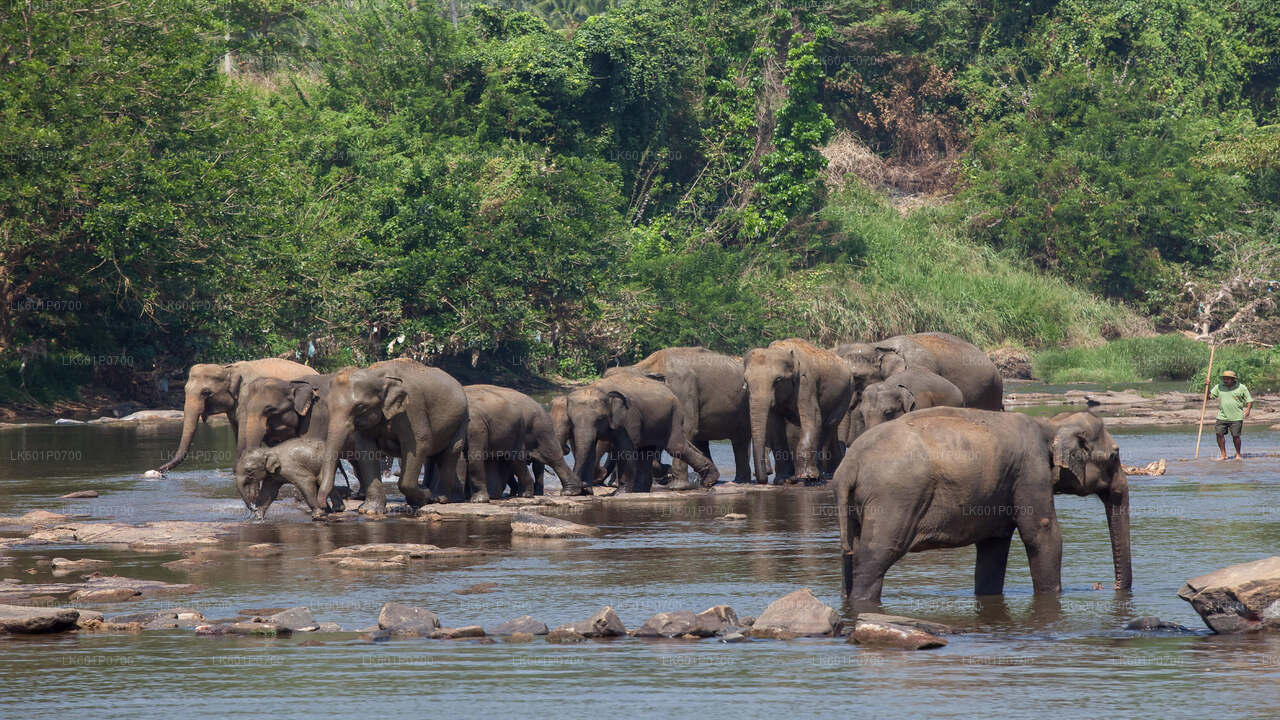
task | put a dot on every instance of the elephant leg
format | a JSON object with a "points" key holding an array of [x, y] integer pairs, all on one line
{"points": [[708, 474], [267, 493], [626, 462], [1038, 527], [548, 454], [741, 460], [451, 470], [482, 480], [497, 474], [536, 473], [988, 572], [869, 564], [411, 468], [679, 474]]}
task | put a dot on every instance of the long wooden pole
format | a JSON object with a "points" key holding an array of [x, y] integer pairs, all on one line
{"points": [[1204, 403]]}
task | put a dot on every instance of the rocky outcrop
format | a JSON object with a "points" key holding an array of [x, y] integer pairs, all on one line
{"points": [[887, 634], [533, 525], [798, 614], [19, 619], [406, 620], [603, 624], [1239, 598], [523, 624]]}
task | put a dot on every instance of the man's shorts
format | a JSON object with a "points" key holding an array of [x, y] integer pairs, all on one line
{"points": [[1222, 426]]}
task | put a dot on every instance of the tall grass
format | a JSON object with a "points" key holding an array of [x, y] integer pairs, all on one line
{"points": [[916, 274], [1165, 357]]}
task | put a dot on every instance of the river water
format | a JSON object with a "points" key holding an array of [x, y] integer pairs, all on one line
{"points": [[1063, 657]]}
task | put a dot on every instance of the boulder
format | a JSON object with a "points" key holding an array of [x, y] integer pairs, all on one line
{"points": [[106, 595], [400, 619], [1239, 598], [1155, 624], [78, 494], [604, 623], [562, 635], [716, 620], [533, 525], [328, 627], [735, 637], [886, 634], [478, 589], [242, 628], [521, 625], [521, 637], [470, 631], [925, 625], [795, 615], [668, 625], [19, 619], [297, 619]]}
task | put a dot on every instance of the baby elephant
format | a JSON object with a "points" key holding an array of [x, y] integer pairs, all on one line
{"points": [[297, 461]]}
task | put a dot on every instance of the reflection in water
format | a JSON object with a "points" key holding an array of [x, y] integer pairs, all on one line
{"points": [[1066, 655]]}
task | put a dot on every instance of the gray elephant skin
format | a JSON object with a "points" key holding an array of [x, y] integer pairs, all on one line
{"points": [[259, 473], [506, 432], [903, 392], [213, 389], [713, 395], [410, 411], [272, 411], [639, 418], [959, 361], [950, 477], [795, 383]]}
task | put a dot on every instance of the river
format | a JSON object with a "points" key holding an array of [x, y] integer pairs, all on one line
{"points": [[1018, 656]]}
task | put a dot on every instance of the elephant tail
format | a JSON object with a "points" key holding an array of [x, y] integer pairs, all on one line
{"points": [[850, 525]]}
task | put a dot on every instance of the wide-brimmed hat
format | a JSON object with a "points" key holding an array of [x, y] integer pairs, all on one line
{"points": [[1228, 374]]}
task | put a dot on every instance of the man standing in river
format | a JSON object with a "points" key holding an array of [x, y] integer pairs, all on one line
{"points": [[1234, 404]]}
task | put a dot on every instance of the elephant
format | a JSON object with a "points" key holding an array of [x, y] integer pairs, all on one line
{"points": [[793, 382], [903, 392], [411, 411], [271, 411], [563, 426], [213, 389], [949, 477], [639, 417], [713, 395], [960, 362], [297, 461], [506, 431]]}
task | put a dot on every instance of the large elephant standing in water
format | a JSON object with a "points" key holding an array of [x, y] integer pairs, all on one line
{"points": [[639, 418], [713, 396], [902, 392], [795, 383], [506, 432], [960, 362], [213, 389], [950, 477], [410, 411]]}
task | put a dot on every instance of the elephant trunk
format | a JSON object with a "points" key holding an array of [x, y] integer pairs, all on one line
{"points": [[192, 409], [1116, 501], [244, 483], [340, 428], [253, 433], [584, 455], [760, 407]]}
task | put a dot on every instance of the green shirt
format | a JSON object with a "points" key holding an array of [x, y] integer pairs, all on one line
{"points": [[1231, 402]]}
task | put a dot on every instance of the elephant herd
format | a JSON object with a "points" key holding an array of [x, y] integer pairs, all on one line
{"points": [[910, 429]]}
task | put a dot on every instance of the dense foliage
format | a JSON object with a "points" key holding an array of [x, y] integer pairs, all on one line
{"points": [[549, 186]]}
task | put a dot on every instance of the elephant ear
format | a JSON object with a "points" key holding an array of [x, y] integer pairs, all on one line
{"points": [[272, 463], [394, 396], [304, 397], [660, 377], [908, 398], [890, 360], [618, 405], [234, 381], [1070, 453]]}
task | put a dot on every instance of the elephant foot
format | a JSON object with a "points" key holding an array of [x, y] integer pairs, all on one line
{"points": [[680, 484], [574, 490], [319, 515], [373, 507], [480, 497]]}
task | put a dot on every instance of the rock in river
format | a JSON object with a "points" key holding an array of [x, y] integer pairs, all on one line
{"points": [[710, 622], [795, 615], [925, 625], [534, 525], [27, 620], [79, 494], [604, 623], [1239, 598], [400, 619], [524, 624], [886, 634], [297, 619]]}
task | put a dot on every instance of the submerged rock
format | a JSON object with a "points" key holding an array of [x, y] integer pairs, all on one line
{"points": [[406, 620], [20, 619], [478, 589], [925, 625], [524, 624], [1155, 624], [63, 567], [886, 634], [395, 562], [795, 615], [533, 525], [1239, 598], [106, 595], [470, 631], [565, 634], [78, 494], [297, 619]]}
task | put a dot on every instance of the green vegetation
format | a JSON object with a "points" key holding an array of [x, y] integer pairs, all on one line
{"points": [[547, 187], [1166, 357]]}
